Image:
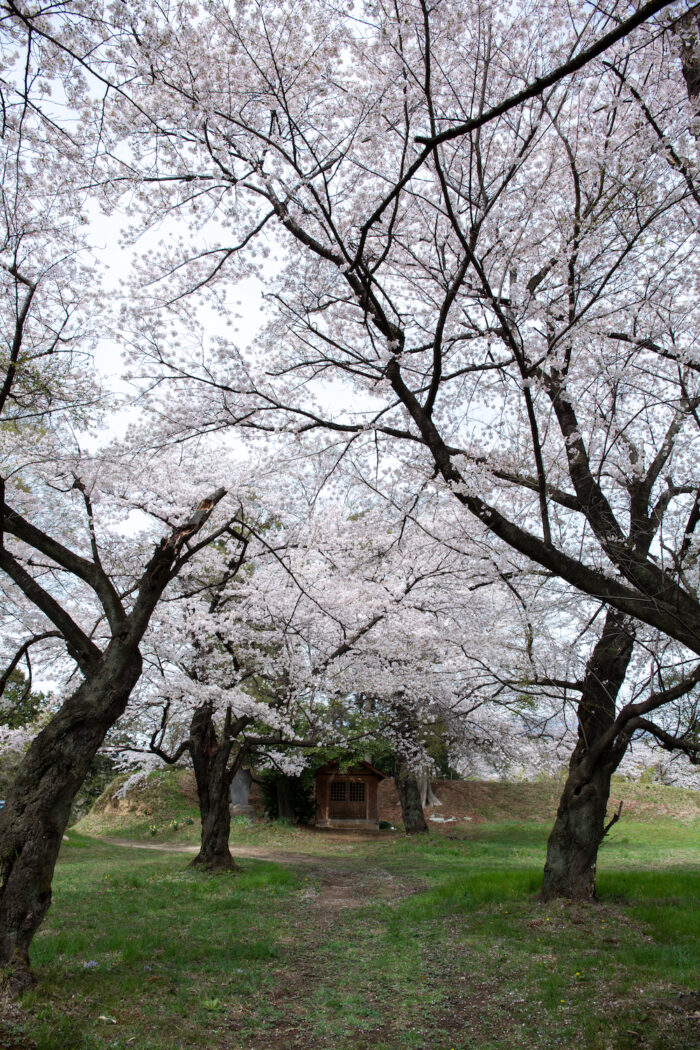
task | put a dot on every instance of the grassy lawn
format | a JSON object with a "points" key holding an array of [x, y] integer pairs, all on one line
{"points": [[382, 944]]}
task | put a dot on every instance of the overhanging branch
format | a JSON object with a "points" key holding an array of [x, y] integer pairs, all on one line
{"points": [[540, 84]]}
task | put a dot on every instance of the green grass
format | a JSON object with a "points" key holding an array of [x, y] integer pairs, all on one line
{"points": [[140, 938], [435, 942], [153, 807]]}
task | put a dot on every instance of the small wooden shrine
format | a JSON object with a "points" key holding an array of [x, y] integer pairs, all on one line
{"points": [[349, 799]]}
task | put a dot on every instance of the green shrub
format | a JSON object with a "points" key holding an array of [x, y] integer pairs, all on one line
{"points": [[292, 794]]}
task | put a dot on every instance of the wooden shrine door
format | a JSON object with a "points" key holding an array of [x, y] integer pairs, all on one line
{"points": [[348, 800]]}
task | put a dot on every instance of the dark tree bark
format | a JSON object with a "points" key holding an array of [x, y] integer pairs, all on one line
{"points": [[38, 806], [210, 757], [687, 30], [216, 758], [579, 828], [410, 798], [213, 770], [285, 803], [36, 814]]}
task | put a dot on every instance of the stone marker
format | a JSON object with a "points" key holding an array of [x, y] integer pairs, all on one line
{"points": [[240, 787]]}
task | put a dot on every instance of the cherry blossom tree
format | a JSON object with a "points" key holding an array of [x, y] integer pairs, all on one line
{"points": [[221, 678], [534, 278], [498, 281], [101, 624], [335, 631], [630, 682], [604, 734], [78, 590], [482, 220]]}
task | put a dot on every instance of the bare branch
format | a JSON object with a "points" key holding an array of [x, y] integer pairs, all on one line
{"points": [[540, 84], [24, 649]]}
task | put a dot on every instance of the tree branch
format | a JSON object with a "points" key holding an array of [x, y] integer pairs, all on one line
{"points": [[81, 648], [90, 573], [24, 648], [668, 742], [560, 73]]}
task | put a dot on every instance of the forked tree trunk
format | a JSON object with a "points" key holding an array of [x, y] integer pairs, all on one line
{"points": [[579, 828], [39, 802], [210, 758], [38, 808], [427, 795], [410, 798]]}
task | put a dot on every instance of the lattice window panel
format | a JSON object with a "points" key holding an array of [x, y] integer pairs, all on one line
{"points": [[357, 791], [338, 791]]}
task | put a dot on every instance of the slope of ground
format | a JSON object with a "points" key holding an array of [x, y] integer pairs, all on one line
{"points": [[165, 805], [489, 800]]}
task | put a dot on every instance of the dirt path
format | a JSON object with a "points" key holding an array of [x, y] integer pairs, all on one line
{"points": [[343, 882], [162, 847], [245, 853]]}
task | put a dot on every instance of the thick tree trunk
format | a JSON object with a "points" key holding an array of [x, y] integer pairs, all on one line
{"points": [[579, 828], [38, 806], [285, 803], [427, 795], [210, 758], [410, 798], [37, 810], [572, 849]]}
